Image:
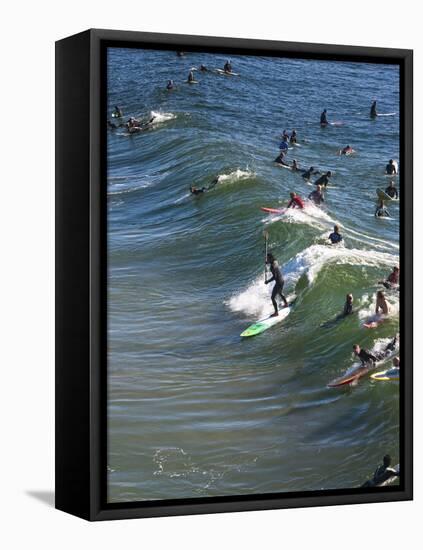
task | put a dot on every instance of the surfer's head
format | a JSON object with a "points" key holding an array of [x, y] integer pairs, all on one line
{"points": [[396, 268], [270, 258], [396, 362], [292, 194], [350, 298], [356, 349], [380, 294], [329, 173], [336, 228], [391, 161]]}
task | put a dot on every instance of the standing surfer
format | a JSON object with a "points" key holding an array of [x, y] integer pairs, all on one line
{"points": [[279, 282]]}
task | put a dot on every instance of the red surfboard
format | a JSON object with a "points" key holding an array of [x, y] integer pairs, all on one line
{"points": [[272, 210]]}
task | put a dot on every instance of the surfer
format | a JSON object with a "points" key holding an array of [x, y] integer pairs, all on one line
{"points": [[324, 118], [203, 68], [348, 306], [283, 146], [295, 167], [324, 179], [335, 237], [117, 112], [198, 190], [373, 112], [381, 210], [347, 150], [293, 137], [382, 305], [393, 278], [280, 159], [382, 473], [391, 190], [279, 282], [391, 168], [228, 67], [310, 172], [191, 77], [296, 201], [366, 357], [317, 195], [170, 85]]}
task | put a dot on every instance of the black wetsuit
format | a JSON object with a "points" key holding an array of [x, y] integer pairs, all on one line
{"points": [[390, 169], [373, 113], [279, 282], [308, 173], [198, 191], [382, 474], [323, 118], [335, 238], [227, 68], [348, 308], [382, 212], [366, 357], [279, 159], [323, 180], [392, 192]]}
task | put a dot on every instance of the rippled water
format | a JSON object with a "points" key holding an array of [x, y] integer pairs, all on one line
{"points": [[193, 409]]}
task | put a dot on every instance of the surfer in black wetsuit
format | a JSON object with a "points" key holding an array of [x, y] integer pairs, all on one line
{"points": [[324, 180], [367, 358], [280, 159], [203, 69], [391, 190], [348, 307], [191, 77], [117, 113], [324, 118], [310, 172], [382, 473], [227, 67], [170, 85], [391, 168], [381, 210], [198, 190], [373, 112], [279, 282], [293, 137]]}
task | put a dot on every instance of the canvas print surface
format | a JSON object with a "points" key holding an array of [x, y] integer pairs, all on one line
{"points": [[253, 274]]}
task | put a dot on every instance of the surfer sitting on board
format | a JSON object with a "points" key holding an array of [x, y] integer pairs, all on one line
{"points": [[295, 166], [393, 278], [382, 473], [310, 172], [382, 306], [324, 180], [279, 282], [381, 210], [296, 201], [335, 237], [293, 137], [347, 150], [280, 159], [317, 195], [391, 168], [391, 190], [373, 112], [324, 118], [203, 69], [170, 85], [227, 67], [191, 77]]}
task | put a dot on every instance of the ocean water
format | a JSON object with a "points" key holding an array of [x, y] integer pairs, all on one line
{"points": [[193, 409]]}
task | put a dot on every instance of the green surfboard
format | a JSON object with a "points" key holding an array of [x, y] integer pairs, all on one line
{"points": [[263, 324]]}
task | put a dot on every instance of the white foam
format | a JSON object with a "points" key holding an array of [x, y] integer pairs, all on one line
{"points": [[161, 117], [235, 176]]}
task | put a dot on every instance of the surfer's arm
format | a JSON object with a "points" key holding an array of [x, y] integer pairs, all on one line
{"points": [[269, 280]]}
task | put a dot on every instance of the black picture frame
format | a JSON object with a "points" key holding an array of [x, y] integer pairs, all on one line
{"points": [[81, 268]]}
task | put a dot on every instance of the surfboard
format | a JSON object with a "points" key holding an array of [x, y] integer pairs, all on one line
{"points": [[273, 210], [351, 376], [283, 166], [226, 73], [336, 123], [390, 479], [267, 322], [386, 375], [384, 196], [386, 114], [192, 81]]}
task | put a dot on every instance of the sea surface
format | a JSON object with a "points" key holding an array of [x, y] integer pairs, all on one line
{"points": [[193, 409]]}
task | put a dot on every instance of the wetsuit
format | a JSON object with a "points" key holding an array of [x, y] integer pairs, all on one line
{"points": [[390, 169], [392, 192], [348, 308], [308, 173], [381, 475], [279, 282], [227, 68], [293, 138], [296, 201], [283, 146], [373, 113], [279, 159], [335, 238], [323, 118], [317, 197], [323, 180], [367, 357], [198, 191], [382, 213]]}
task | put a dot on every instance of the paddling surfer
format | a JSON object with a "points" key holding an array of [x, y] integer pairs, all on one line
{"points": [[117, 112], [170, 85], [279, 282], [324, 179], [198, 190], [310, 172], [382, 473], [367, 358], [347, 150]]}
